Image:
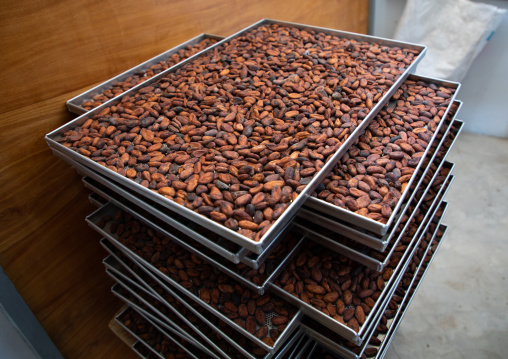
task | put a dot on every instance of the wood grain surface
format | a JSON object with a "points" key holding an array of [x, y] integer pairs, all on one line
{"points": [[52, 51]]}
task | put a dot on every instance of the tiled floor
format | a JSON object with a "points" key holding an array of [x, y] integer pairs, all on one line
{"points": [[461, 309]]}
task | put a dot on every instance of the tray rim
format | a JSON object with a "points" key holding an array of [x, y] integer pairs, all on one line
{"points": [[260, 289], [87, 172], [442, 161], [189, 307], [344, 351], [393, 329]]}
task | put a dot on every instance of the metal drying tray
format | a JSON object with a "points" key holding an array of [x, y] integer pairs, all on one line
{"points": [[291, 326], [163, 280], [360, 254], [114, 266], [345, 353], [121, 262], [113, 261], [287, 216], [370, 239], [74, 104], [161, 325], [380, 305], [227, 268], [185, 228], [242, 255], [365, 222], [365, 255], [127, 284], [342, 350], [168, 336], [293, 335], [412, 290]]}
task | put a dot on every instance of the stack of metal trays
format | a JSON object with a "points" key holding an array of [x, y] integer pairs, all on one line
{"points": [[384, 333], [361, 228], [321, 276], [257, 245], [312, 224], [336, 316]]}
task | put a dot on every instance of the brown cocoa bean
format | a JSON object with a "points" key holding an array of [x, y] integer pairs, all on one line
{"points": [[279, 320]]}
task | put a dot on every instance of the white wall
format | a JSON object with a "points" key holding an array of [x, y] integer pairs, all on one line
{"points": [[484, 90]]}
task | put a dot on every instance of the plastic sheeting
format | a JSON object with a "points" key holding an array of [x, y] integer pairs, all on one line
{"points": [[454, 31]]}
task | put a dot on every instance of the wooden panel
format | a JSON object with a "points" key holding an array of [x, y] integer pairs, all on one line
{"points": [[53, 50], [74, 44], [58, 271]]}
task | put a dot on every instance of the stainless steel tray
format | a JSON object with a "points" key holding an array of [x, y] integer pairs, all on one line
{"points": [[230, 269], [241, 255], [365, 222], [286, 217], [367, 256], [74, 104], [118, 276], [338, 347], [387, 340], [115, 270], [163, 325], [371, 239], [163, 280], [113, 266], [381, 303], [291, 326], [360, 255], [132, 288], [157, 316], [168, 336], [186, 227]]}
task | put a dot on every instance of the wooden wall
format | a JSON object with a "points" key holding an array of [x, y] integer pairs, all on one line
{"points": [[51, 51]]}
